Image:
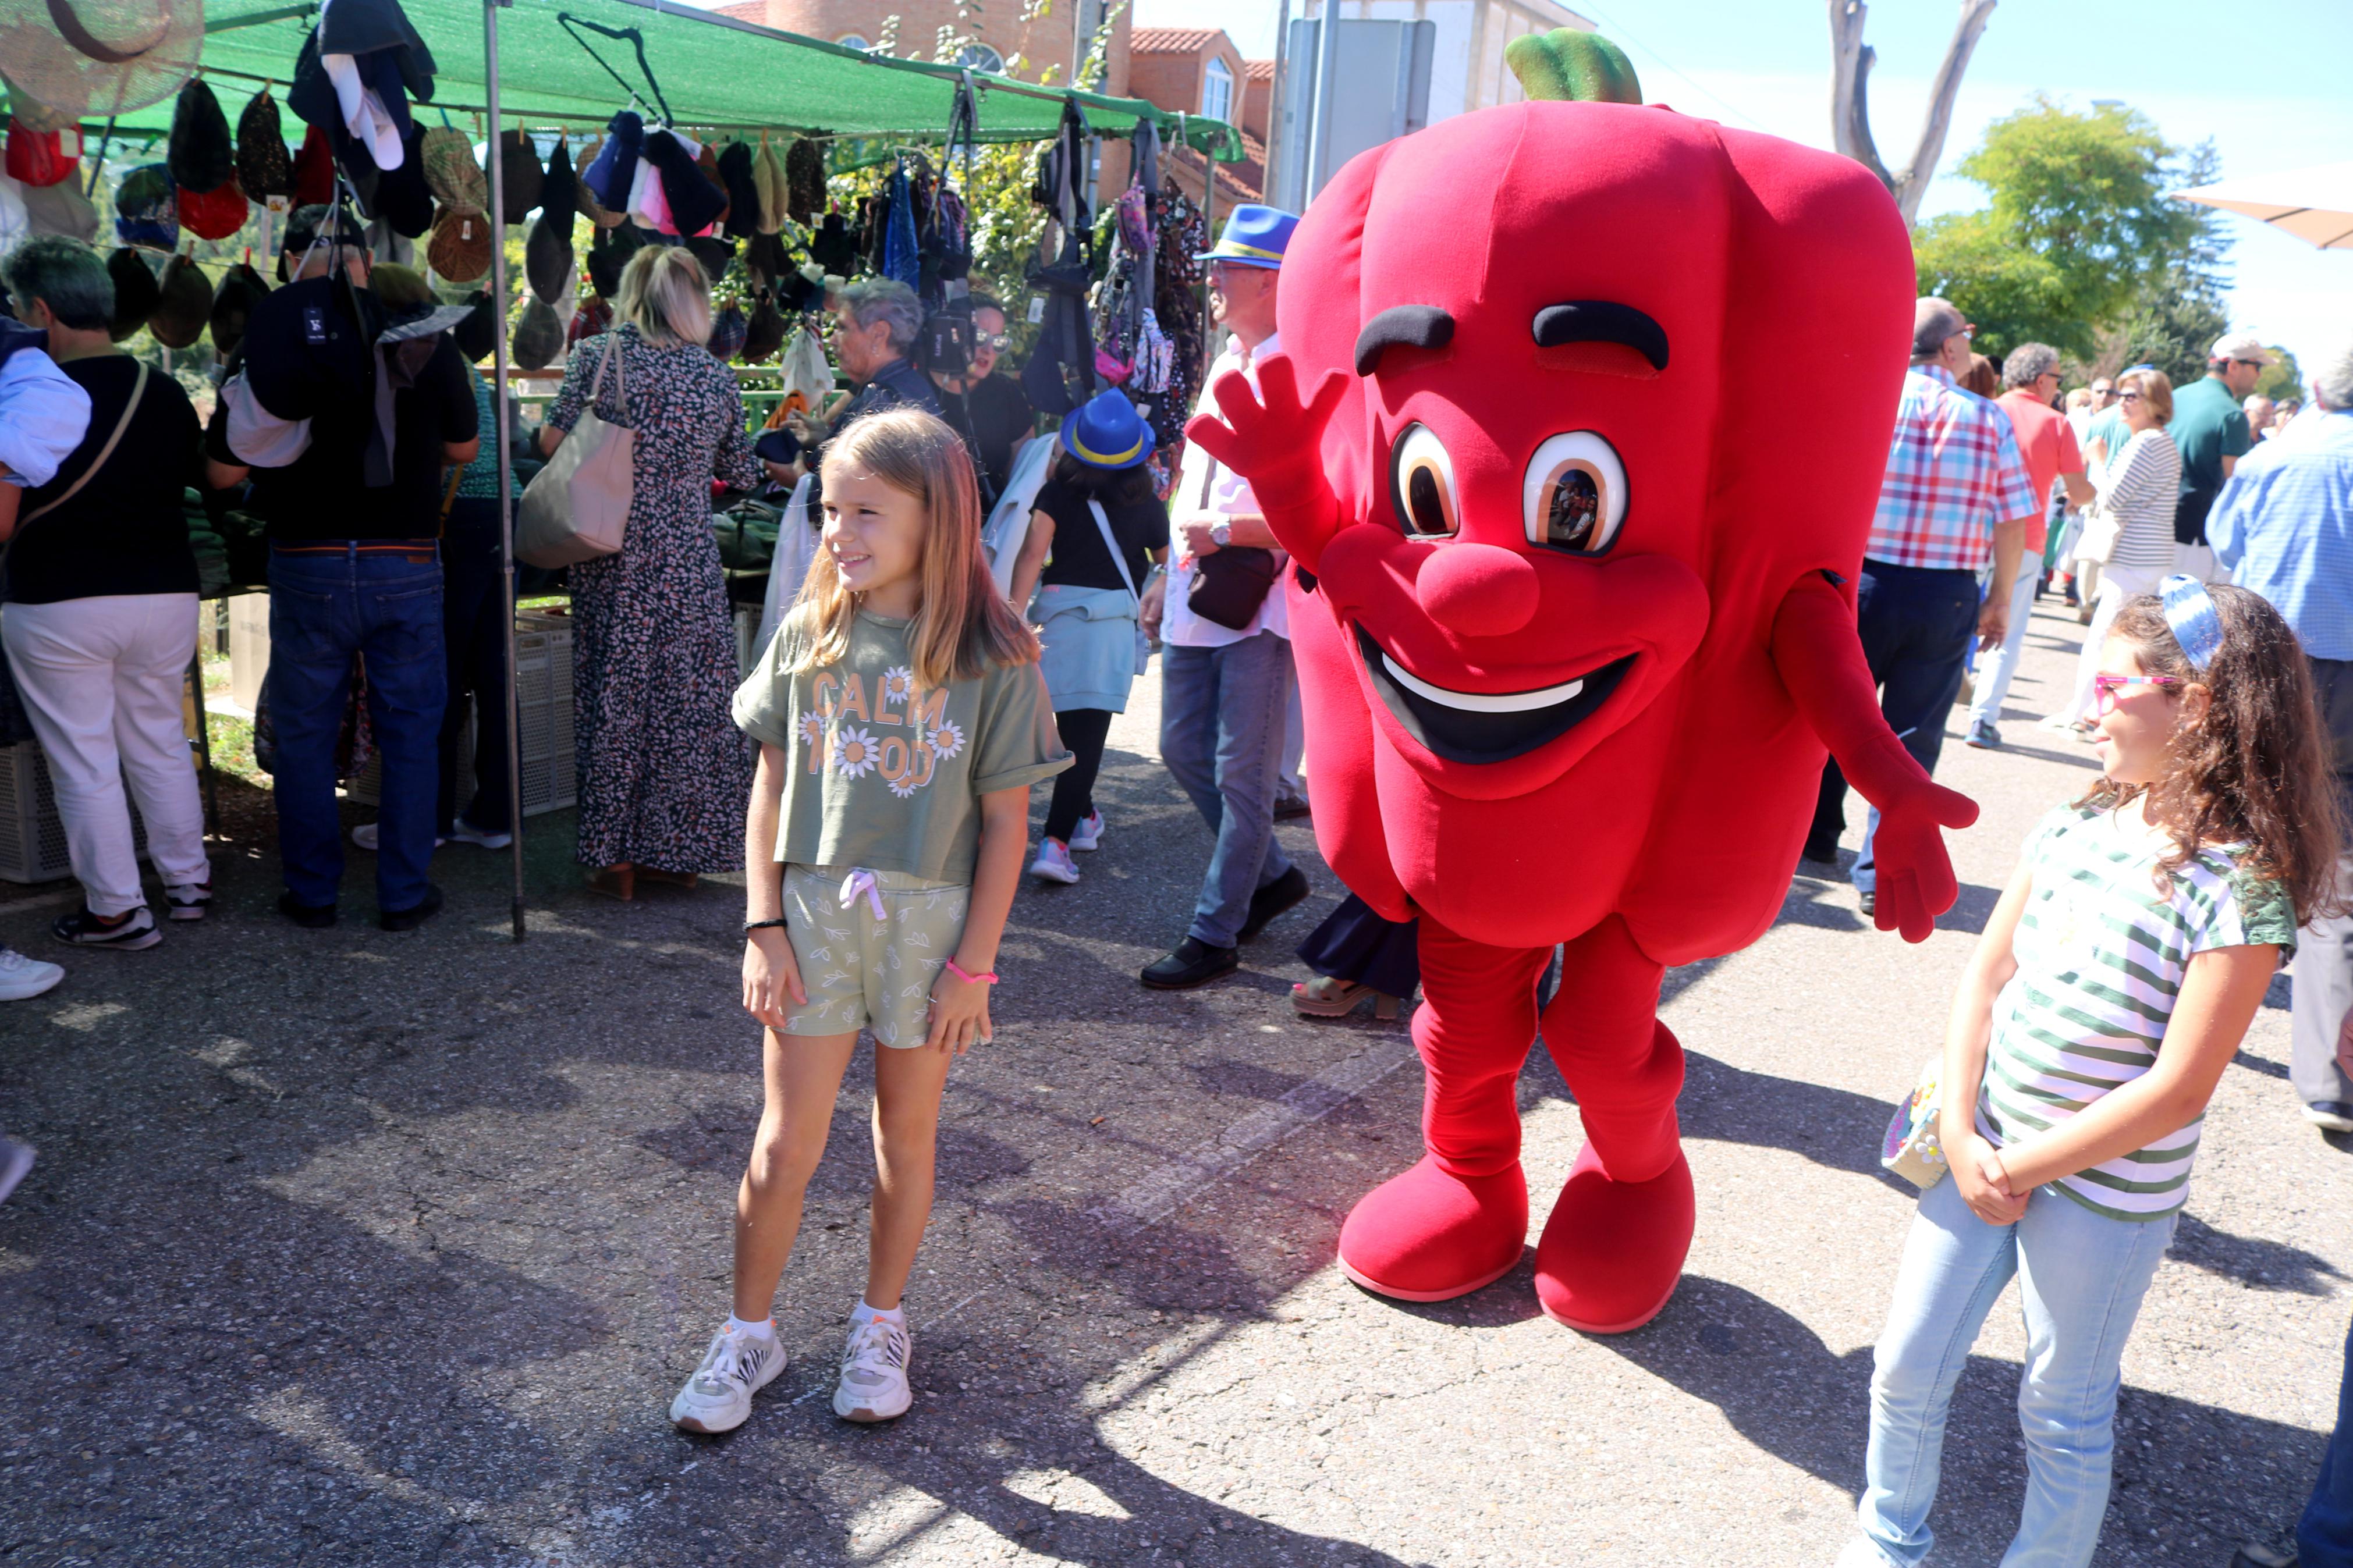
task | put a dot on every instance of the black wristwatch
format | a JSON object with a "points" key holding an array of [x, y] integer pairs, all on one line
{"points": [[751, 926]]}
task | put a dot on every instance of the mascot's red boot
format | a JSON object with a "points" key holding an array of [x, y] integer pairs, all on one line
{"points": [[1575, 440]]}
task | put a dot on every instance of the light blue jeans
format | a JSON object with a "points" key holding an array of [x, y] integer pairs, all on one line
{"points": [[1221, 721], [1994, 675], [2081, 1278]]}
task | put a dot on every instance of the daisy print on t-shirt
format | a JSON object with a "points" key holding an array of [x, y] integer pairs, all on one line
{"points": [[897, 733]]}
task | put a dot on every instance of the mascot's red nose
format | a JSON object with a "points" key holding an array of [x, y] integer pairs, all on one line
{"points": [[1477, 590]]}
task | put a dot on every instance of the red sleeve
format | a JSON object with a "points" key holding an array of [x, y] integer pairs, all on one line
{"points": [[2071, 451]]}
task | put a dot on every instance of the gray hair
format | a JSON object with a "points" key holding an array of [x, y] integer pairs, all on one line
{"points": [[873, 300], [2332, 384], [65, 275], [1933, 321], [2028, 363], [666, 295]]}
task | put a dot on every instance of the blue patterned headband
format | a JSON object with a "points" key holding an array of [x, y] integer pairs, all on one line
{"points": [[2189, 612]]}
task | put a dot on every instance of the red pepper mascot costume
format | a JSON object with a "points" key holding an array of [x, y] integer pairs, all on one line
{"points": [[1575, 438]]}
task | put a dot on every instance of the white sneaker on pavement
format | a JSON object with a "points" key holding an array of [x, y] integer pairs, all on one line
{"points": [[364, 835], [1054, 863], [22, 977], [188, 901], [1088, 833], [718, 1397], [873, 1385], [464, 832]]}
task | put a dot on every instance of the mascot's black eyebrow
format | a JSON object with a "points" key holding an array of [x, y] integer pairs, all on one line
{"points": [[1402, 326], [1596, 321]]}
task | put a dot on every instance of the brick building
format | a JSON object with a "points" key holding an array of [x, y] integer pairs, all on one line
{"points": [[1200, 71]]}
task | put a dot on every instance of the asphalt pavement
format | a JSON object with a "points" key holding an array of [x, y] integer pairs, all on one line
{"points": [[353, 1248]]}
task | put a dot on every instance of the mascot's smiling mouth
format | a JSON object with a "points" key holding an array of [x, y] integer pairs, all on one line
{"points": [[1484, 726]]}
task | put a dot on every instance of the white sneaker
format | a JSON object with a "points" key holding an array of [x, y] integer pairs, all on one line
{"points": [[364, 835], [718, 1397], [1089, 833], [1054, 863], [188, 901], [873, 1385], [464, 832], [22, 977]]}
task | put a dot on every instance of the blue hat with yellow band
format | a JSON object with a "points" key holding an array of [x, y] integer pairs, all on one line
{"points": [[1255, 235], [1106, 432]]}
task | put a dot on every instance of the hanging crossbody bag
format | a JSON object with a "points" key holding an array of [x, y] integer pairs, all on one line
{"points": [[138, 391], [1228, 584], [576, 507], [1142, 643]]}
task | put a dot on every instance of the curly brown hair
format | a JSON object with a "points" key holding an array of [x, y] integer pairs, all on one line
{"points": [[2249, 769]]}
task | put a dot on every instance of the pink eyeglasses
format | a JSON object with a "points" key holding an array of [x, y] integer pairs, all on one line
{"points": [[2105, 687]]}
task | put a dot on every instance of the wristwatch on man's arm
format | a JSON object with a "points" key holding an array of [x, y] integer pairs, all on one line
{"points": [[1221, 534]]}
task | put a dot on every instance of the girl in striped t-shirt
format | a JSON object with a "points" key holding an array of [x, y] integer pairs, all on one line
{"points": [[2111, 986]]}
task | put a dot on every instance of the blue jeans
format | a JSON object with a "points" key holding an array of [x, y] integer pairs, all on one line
{"points": [[2080, 1278], [2324, 1537], [1914, 622], [325, 606], [1993, 681], [1221, 721]]}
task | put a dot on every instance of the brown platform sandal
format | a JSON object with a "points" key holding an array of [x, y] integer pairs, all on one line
{"points": [[615, 882], [1328, 997]]}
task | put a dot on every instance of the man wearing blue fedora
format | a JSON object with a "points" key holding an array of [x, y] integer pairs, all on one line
{"points": [[1227, 680]]}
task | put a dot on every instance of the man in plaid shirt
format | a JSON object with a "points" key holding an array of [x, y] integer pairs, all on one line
{"points": [[1956, 499]]}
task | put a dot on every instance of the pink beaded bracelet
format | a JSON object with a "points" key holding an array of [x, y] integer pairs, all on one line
{"points": [[958, 971]]}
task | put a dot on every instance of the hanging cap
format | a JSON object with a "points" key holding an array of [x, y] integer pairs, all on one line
{"points": [[1255, 235], [1106, 432], [2189, 612]]}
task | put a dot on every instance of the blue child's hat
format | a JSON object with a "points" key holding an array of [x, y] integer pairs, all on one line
{"points": [[1106, 432], [1255, 237]]}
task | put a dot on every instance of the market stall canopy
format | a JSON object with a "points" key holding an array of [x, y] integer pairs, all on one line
{"points": [[2315, 205], [715, 72]]}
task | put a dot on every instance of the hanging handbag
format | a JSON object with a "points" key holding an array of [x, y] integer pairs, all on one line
{"points": [[1143, 642], [1230, 583], [576, 507], [1911, 1148]]}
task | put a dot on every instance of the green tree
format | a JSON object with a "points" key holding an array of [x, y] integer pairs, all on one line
{"points": [[2077, 231], [2282, 379]]}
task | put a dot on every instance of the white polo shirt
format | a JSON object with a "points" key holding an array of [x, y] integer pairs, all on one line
{"points": [[1208, 488]]}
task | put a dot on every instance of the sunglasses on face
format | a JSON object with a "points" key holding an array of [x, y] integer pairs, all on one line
{"points": [[2127, 397], [2105, 687], [2250, 363], [988, 340]]}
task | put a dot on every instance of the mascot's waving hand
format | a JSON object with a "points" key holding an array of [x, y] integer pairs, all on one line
{"points": [[1574, 442]]}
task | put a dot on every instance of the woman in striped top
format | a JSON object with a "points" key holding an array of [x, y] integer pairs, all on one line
{"points": [[2139, 484], [2113, 984]]}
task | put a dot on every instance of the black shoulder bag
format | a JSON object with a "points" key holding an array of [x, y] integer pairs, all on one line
{"points": [[1230, 583]]}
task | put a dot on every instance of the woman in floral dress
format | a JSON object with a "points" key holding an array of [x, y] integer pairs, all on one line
{"points": [[664, 772]]}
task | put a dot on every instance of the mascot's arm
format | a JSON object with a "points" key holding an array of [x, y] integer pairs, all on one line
{"points": [[1820, 661], [1275, 441]]}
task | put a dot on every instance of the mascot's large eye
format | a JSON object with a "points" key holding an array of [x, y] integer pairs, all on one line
{"points": [[1576, 494], [1421, 484]]}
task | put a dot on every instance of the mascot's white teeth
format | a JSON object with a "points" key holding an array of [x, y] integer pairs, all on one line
{"points": [[1481, 701]]}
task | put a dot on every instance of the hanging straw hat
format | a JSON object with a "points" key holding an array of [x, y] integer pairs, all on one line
{"points": [[93, 58]]}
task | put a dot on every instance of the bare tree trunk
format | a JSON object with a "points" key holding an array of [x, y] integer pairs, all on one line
{"points": [[1852, 60]]}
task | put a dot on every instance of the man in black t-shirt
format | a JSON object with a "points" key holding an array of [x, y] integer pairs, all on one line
{"points": [[353, 561], [989, 410]]}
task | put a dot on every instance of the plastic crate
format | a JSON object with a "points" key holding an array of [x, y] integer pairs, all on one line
{"points": [[544, 705], [32, 834]]}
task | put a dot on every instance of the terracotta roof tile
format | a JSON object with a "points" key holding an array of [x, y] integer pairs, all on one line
{"points": [[753, 11], [1169, 40], [1257, 71]]}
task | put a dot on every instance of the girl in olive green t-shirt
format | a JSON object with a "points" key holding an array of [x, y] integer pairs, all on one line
{"points": [[901, 721]]}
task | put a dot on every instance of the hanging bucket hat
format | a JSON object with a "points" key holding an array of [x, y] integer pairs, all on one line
{"points": [[460, 251], [547, 254], [147, 208], [241, 288], [263, 167], [92, 60], [521, 173], [200, 154], [134, 292], [60, 209], [538, 336], [183, 304], [1106, 432]]}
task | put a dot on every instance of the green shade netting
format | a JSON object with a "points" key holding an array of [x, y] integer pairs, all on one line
{"points": [[716, 73]]}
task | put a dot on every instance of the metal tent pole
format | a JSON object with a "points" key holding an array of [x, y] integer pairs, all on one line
{"points": [[1319, 124], [506, 456]]}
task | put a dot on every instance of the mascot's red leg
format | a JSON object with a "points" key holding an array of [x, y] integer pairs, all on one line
{"points": [[1458, 1219], [1615, 1245]]}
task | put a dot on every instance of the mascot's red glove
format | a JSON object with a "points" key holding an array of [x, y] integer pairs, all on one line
{"points": [[1277, 440], [1815, 649]]}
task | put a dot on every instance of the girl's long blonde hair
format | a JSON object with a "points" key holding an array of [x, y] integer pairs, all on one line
{"points": [[964, 625]]}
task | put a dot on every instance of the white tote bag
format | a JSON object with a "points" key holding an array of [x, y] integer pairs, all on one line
{"points": [[1007, 528], [574, 509], [796, 546]]}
